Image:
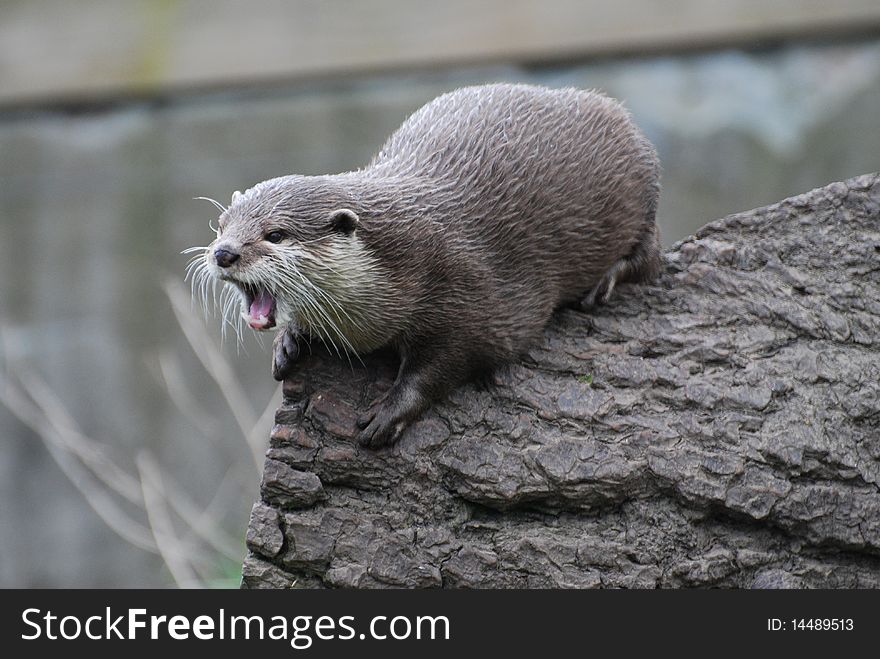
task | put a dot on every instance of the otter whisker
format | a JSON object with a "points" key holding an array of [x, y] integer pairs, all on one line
{"points": [[198, 248], [334, 306], [197, 272], [317, 317], [323, 295], [206, 284], [209, 288], [309, 290], [220, 207], [199, 258], [317, 322], [228, 301]]}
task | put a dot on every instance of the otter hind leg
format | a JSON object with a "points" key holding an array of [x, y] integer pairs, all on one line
{"points": [[601, 292], [642, 264]]}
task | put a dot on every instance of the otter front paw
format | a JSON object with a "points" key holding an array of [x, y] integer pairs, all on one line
{"points": [[285, 351], [380, 426]]}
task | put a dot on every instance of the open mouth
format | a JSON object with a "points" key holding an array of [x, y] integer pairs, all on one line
{"points": [[260, 306]]}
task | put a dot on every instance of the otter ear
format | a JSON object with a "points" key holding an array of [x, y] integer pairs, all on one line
{"points": [[344, 221], [235, 197]]}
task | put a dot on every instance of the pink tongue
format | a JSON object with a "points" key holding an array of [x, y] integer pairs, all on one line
{"points": [[261, 311]]}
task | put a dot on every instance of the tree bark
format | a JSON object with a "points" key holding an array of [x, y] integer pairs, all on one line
{"points": [[719, 428]]}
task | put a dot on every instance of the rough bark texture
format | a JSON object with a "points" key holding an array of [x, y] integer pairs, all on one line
{"points": [[721, 428]]}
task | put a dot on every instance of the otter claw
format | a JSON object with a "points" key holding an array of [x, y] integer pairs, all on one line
{"points": [[387, 418], [284, 353], [383, 423], [378, 430]]}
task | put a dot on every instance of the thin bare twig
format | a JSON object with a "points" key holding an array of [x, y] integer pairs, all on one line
{"points": [[259, 435], [171, 377], [169, 547], [91, 469], [90, 452], [217, 366], [202, 524], [71, 464]]}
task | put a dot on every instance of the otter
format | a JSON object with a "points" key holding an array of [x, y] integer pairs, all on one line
{"points": [[488, 209]]}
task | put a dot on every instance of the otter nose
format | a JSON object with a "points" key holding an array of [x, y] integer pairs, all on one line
{"points": [[225, 257]]}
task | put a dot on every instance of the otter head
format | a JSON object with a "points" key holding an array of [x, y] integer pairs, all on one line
{"points": [[289, 248]]}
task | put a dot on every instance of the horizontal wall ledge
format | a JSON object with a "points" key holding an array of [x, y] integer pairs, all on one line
{"points": [[55, 50]]}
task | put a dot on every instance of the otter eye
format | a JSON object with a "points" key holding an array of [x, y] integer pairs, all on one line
{"points": [[274, 236]]}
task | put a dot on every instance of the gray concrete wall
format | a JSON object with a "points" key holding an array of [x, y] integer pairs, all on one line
{"points": [[58, 49]]}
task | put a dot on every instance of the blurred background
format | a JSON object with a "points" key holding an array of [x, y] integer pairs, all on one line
{"points": [[131, 434]]}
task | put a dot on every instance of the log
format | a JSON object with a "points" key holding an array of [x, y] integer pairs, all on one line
{"points": [[719, 428]]}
